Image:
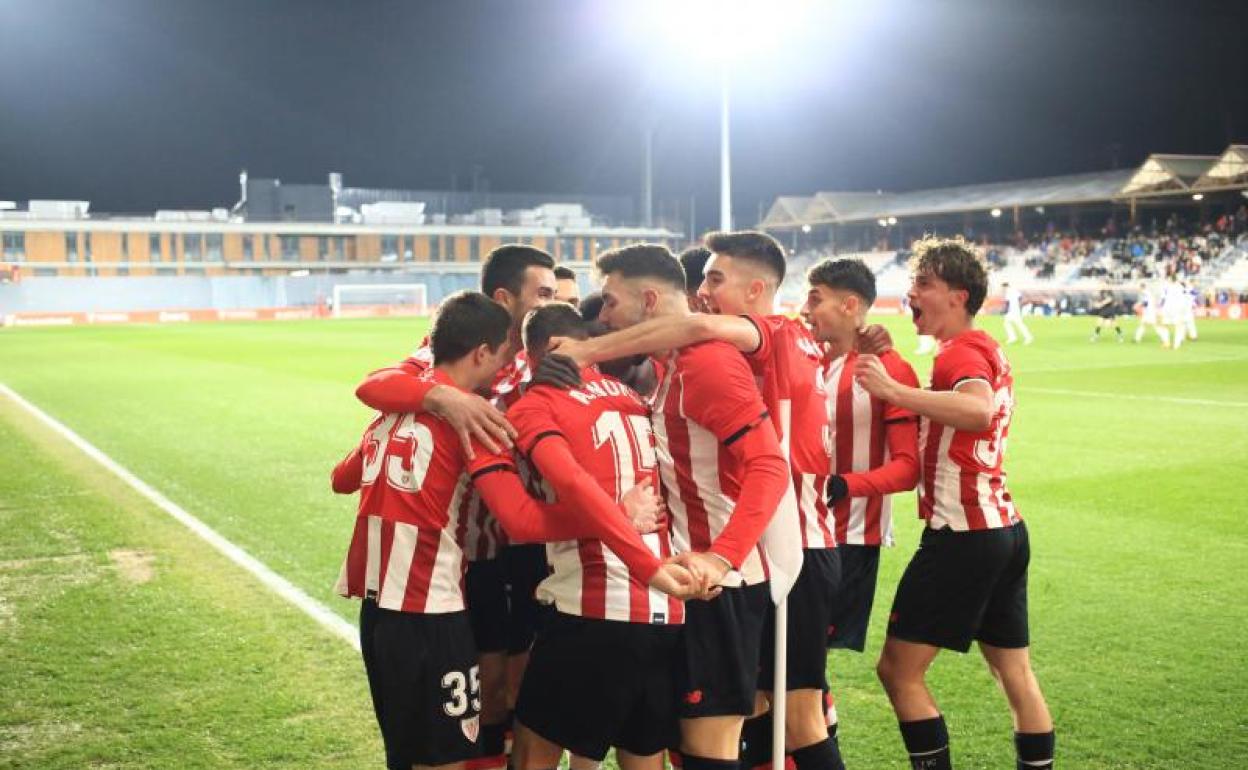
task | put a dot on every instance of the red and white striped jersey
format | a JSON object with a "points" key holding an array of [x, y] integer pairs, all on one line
{"points": [[786, 365], [706, 399], [859, 444], [406, 549], [607, 428], [962, 478], [483, 538]]}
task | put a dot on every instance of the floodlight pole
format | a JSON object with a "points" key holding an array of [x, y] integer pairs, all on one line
{"points": [[725, 161]]}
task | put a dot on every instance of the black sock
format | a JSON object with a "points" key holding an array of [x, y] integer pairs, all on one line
{"points": [[927, 741], [756, 742], [493, 739], [690, 762], [824, 755], [1035, 750]]}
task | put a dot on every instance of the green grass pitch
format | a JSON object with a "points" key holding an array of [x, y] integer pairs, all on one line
{"points": [[127, 643]]}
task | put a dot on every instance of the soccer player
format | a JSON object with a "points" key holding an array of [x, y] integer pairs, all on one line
{"points": [[566, 287], [601, 671], [724, 476], [1146, 304], [741, 277], [1107, 310], [875, 444], [405, 560], [968, 580], [1174, 305], [1189, 311], [501, 581], [1014, 316]]}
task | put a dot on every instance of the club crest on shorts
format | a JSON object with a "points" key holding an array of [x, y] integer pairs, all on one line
{"points": [[471, 727]]}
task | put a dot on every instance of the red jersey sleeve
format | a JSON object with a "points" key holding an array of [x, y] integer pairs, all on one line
{"points": [[759, 356], [900, 473], [396, 388], [728, 402], [348, 474], [531, 417], [957, 363], [902, 372]]}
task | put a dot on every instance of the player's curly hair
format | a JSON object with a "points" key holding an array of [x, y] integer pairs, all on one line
{"points": [[954, 261]]}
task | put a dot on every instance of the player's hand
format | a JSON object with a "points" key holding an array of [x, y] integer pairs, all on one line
{"points": [[674, 580], [472, 417], [557, 371], [644, 507], [837, 490], [874, 339], [577, 350], [710, 570], [871, 375]]}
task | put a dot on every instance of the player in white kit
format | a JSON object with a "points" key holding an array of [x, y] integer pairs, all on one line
{"points": [[1174, 303], [1014, 316], [1146, 304]]}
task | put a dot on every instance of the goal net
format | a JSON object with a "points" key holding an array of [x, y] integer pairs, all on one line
{"points": [[373, 299]]}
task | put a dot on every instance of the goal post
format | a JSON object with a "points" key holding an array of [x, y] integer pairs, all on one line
{"points": [[357, 300]]}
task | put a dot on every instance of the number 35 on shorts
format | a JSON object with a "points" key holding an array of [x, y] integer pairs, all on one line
{"points": [[464, 691]]}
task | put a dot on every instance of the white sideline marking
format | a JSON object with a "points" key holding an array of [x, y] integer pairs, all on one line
{"points": [[1165, 399], [273, 581]]}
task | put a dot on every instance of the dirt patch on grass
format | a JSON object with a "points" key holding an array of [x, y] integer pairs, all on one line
{"points": [[133, 566], [33, 736]]}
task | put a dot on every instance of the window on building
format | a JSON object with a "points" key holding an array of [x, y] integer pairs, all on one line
{"points": [[249, 248], [474, 248], [15, 247], [322, 247], [435, 248], [389, 248], [192, 244], [123, 269], [290, 248], [45, 272], [125, 247], [153, 247], [449, 254], [86, 249], [340, 246], [409, 251], [71, 247], [213, 247]]}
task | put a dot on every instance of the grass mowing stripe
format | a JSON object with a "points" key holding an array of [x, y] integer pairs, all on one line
{"points": [[271, 580], [1162, 399]]}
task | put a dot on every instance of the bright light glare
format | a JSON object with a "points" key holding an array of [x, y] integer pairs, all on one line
{"points": [[892, 220], [805, 228], [727, 30], [882, 222], [1198, 197], [996, 213]]}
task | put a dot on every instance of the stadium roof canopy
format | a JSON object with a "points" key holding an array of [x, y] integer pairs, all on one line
{"points": [[1164, 174], [1159, 175], [1229, 170]]}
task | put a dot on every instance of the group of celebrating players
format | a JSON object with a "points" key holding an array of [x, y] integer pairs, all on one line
{"points": [[583, 558]]}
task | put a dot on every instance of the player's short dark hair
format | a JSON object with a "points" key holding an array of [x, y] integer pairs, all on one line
{"points": [[591, 306], [557, 319], [564, 273], [644, 260], [504, 267], [759, 248], [465, 320], [693, 260], [955, 262], [846, 274]]}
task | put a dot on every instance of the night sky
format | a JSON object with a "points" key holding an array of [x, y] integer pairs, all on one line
{"points": [[135, 104]]}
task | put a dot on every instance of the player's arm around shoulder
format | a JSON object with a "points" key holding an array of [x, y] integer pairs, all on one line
{"points": [[966, 405]]}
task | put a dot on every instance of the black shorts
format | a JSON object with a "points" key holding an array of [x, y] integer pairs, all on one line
{"points": [[810, 606], [718, 662], [860, 566], [525, 566], [965, 586], [422, 673], [485, 587], [594, 684]]}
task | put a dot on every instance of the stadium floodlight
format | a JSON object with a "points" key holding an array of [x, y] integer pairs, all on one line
{"points": [[996, 213], [806, 228], [892, 221], [1198, 197], [1039, 209], [730, 33]]}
